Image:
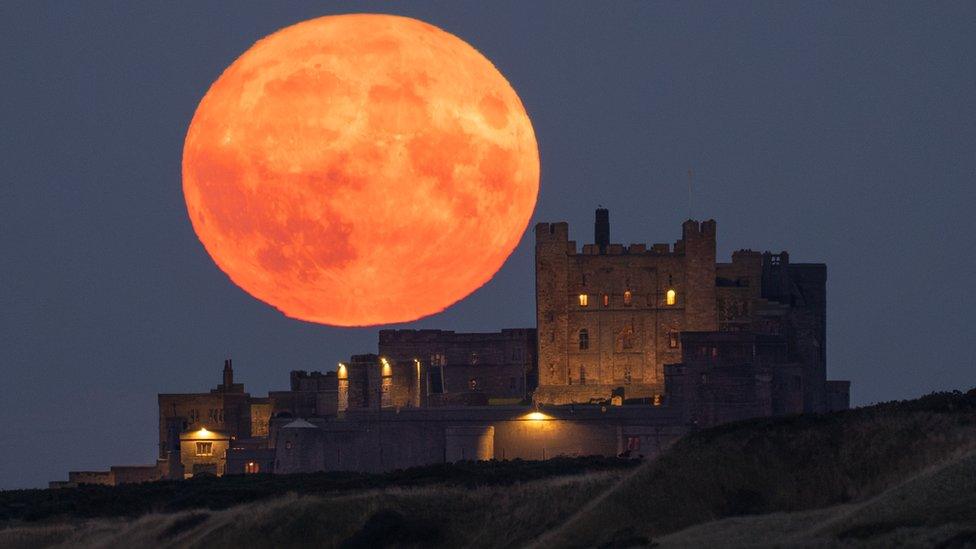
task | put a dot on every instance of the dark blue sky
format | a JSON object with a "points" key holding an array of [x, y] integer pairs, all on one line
{"points": [[842, 132]]}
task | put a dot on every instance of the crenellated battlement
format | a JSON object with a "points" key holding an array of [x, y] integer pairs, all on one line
{"points": [[559, 232], [552, 231]]}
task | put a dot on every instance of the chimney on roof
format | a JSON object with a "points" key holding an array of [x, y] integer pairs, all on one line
{"points": [[228, 374], [601, 229]]}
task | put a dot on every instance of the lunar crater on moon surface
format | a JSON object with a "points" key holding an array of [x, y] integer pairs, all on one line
{"points": [[360, 169]]}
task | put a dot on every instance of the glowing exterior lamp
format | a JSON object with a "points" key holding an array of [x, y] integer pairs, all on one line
{"points": [[536, 416]]}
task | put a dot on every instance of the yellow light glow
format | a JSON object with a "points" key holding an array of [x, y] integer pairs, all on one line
{"points": [[672, 297], [584, 300], [203, 431], [536, 416], [342, 372], [628, 297], [387, 369]]}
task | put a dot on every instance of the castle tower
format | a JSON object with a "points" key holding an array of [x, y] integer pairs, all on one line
{"points": [[609, 316], [699, 301], [552, 249], [601, 229]]}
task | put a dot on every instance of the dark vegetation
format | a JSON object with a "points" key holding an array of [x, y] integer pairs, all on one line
{"points": [[785, 464], [208, 492]]}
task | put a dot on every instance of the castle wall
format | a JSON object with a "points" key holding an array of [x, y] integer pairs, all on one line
{"points": [[803, 288], [375, 441], [260, 416], [103, 478], [494, 359], [134, 474], [605, 318], [838, 395]]}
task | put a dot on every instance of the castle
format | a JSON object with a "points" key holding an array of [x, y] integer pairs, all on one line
{"points": [[634, 346]]}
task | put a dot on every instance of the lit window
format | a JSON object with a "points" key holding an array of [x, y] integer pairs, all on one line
{"points": [[628, 297], [251, 468], [606, 300], [672, 297], [584, 340], [584, 300], [672, 340], [205, 448]]}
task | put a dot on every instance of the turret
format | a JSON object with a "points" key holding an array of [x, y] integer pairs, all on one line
{"points": [[601, 229], [228, 374]]}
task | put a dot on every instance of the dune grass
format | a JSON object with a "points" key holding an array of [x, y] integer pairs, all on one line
{"points": [[776, 465], [446, 516]]}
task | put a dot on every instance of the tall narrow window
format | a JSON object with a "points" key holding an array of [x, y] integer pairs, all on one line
{"points": [[582, 375], [625, 340], [672, 340], [584, 300], [584, 339], [606, 300], [205, 448], [628, 297], [672, 297]]}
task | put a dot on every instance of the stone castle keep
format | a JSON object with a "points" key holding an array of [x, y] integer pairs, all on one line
{"points": [[634, 347]]}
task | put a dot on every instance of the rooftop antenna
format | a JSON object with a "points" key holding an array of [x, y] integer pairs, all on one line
{"points": [[690, 177]]}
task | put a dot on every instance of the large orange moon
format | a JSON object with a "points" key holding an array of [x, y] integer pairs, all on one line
{"points": [[360, 169]]}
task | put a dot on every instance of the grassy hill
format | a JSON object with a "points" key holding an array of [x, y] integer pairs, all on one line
{"points": [[777, 465], [934, 508], [900, 472]]}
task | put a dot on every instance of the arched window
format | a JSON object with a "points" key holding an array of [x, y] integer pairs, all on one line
{"points": [[672, 297], [584, 300], [628, 297], [584, 339]]}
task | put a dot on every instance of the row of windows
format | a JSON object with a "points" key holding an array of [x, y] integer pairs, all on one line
{"points": [[628, 378], [670, 298], [584, 339]]}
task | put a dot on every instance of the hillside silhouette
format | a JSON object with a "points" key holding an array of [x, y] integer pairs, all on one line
{"points": [[898, 472]]}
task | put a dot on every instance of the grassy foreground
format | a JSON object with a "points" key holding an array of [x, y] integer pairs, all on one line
{"points": [[894, 473]]}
